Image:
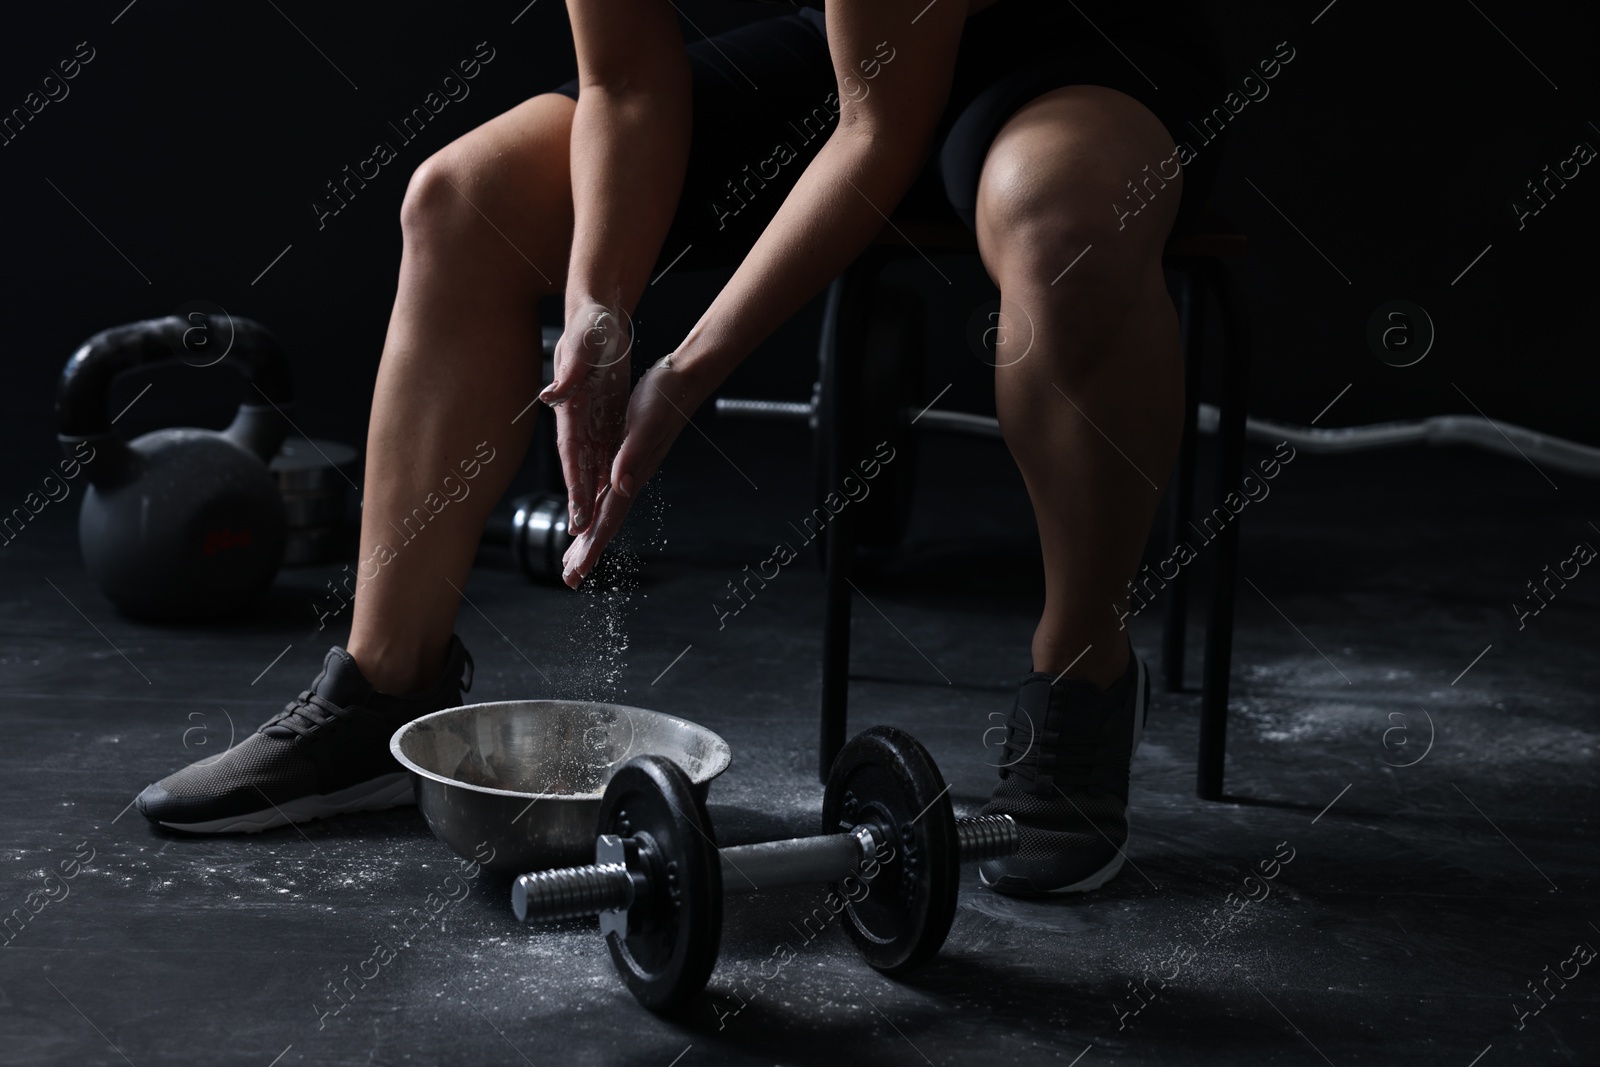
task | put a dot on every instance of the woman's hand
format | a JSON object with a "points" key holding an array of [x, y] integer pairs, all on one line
{"points": [[588, 393], [657, 412]]}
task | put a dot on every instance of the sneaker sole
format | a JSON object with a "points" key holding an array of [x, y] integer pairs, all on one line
{"points": [[377, 794], [1141, 704]]}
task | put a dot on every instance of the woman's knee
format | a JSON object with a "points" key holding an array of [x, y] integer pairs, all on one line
{"points": [[430, 209], [505, 183], [1065, 196]]}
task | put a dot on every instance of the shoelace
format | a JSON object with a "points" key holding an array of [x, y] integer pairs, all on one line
{"points": [[306, 712], [1050, 757]]}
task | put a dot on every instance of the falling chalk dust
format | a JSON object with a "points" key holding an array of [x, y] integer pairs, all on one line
{"points": [[596, 633]]}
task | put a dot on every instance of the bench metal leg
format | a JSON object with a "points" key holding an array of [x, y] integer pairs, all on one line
{"points": [[1191, 320], [840, 358], [836, 645], [1229, 470]]}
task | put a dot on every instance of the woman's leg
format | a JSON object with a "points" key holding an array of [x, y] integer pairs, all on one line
{"points": [[1092, 413], [487, 224]]}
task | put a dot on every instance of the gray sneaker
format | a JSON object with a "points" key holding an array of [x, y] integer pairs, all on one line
{"points": [[325, 753], [1064, 778]]}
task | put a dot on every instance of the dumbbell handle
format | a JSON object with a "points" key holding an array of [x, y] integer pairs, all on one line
{"points": [[576, 891], [795, 861], [834, 857]]}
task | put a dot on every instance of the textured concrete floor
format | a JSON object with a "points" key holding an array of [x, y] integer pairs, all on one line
{"points": [[1419, 902]]}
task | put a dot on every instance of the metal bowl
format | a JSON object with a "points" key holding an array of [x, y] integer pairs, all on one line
{"points": [[524, 778]]}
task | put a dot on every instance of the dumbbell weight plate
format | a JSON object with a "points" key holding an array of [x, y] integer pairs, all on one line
{"points": [[884, 775], [673, 937]]}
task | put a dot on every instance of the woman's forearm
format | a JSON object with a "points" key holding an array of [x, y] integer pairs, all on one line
{"points": [[629, 149], [630, 146], [831, 215]]}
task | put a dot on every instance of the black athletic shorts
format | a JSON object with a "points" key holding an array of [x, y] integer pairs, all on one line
{"points": [[765, 100]]}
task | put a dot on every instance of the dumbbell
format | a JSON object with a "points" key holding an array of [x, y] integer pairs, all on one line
{"points": [[658, 878]]}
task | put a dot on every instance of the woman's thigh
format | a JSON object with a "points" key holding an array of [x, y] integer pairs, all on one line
{"points": [[765, 100]]}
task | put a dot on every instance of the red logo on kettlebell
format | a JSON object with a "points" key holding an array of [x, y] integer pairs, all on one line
{"points": [[225, 538]]}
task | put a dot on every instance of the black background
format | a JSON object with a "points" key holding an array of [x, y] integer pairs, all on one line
{"points": [[198, 137]]}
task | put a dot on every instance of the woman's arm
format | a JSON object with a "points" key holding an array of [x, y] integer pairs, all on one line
{"points": [[889, 111], [630, 144], [630, 147], [886, 126]]}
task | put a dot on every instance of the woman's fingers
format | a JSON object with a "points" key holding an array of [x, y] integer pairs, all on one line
{"points": [[578, 467], [586, 549], [654, 422], [638, 453], [653, 425], [627, 460], [571, 406], [643, 448], [594, 418], [588, 392]]}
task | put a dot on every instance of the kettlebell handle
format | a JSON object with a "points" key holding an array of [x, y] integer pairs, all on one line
{"points": [[83, 393]]}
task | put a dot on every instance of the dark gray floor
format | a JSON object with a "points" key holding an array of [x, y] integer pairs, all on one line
{"points": [[1419, 902]]}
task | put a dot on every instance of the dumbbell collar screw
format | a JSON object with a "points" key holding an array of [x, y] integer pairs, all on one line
{"points": [[625, 852]]}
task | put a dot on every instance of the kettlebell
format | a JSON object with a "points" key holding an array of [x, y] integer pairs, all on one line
{"points": [[180, 524]]}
